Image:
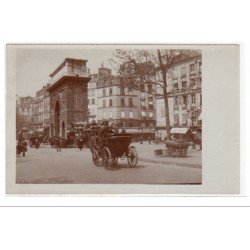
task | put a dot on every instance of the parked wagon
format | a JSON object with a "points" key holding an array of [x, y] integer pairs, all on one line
{"points": [[107, 151], [176, 148]]}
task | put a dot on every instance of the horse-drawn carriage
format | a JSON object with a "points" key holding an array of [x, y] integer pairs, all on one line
{"points": [[108, 149]]}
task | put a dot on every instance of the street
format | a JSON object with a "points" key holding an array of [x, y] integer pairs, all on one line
{"points": [[46, 165]]}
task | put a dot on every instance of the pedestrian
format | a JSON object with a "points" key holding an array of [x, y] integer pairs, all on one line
{"points": [[58, 144], [24, 147], [37, 143], [19, 149], [80, 143], [149, 140]]}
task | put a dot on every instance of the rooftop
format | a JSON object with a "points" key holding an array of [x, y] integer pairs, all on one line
{"points": [[67, 59]]}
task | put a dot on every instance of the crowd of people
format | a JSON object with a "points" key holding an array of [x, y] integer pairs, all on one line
{"points": [[80, 140]]}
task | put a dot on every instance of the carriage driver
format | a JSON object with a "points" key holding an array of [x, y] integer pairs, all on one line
{"points": [[106, 130]]}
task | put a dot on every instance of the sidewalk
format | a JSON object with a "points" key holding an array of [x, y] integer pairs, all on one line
{"points": [[146, 154]]}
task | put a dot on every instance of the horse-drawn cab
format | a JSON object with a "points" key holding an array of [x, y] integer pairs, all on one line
{"points": [[107, 146]]}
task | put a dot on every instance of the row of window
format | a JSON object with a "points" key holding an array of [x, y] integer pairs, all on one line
{"points": [[110, 91], [91, 101], [123, 104], [192, 69], [123, 115], [114, 115], [183, 100], [192, 120], [184, 84]]}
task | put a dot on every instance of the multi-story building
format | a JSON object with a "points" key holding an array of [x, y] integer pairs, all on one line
{"points": [[24, 109], [116, 102], [92, 98], [46, 111], [185, 96], [121, 104], [147, 108], [41, 109]]}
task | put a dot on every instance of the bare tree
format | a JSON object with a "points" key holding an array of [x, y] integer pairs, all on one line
{"points": [[148, 70]]}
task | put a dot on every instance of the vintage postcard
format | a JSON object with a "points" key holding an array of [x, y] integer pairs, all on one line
{"points": [[123, 119]]}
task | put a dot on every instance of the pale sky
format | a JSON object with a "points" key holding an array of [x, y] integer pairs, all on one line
{"points": [[34, 64]]}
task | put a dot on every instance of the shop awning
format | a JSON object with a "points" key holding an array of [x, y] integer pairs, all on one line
{"points": [[179, 130]]}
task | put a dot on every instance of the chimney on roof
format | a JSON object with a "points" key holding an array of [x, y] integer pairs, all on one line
{"points": [[104, 72]]}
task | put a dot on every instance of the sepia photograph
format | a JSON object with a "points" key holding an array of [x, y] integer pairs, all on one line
{"points": [[118, 115], [104, 115]]}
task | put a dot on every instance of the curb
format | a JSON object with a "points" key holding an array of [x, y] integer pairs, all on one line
{"points": [[188, 165]]}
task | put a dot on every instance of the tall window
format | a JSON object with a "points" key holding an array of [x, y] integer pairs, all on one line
{"points": [[176, 118], [131, 115], [104, 92], [192, 67], [104, 103], [193, 98], [93, 101], [200, 100], [184, 98], [122, 90], [149, 88], [184, 118], [110, 102], [110, 91], [131, 102], [122, 114], [123, 102]]}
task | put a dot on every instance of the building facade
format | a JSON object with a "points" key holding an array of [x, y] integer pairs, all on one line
{"points": [[123, 105], [92, 98], [184, 85], [68, 95], [147, 109], [24, 112]]}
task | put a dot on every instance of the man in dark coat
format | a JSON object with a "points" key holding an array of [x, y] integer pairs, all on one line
{"points": [[58, 144], [24, 147]]}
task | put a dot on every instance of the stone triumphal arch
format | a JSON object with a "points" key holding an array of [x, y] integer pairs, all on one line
{"points": [[68, 95]]}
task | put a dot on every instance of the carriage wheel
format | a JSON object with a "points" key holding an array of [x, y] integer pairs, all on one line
{"points": [[106, 158], [132, 157], [95, 157]]}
